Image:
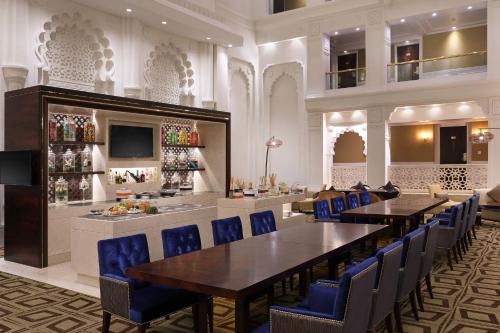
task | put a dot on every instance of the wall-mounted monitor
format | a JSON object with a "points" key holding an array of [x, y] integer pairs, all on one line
{"points": [[16, 167], [131, 141]]}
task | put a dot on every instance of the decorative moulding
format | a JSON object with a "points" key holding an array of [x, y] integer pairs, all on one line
{"points": [[72, 53], [245, 68], [209, 105], [362, 134], [169, 75], [14, 77], [132, 92], [273, 72]]}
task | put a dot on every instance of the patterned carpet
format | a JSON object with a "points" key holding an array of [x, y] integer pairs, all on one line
{"points": [[466, 300]]}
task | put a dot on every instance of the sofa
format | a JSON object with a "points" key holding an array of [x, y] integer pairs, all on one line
{"points": [[484, 199]]}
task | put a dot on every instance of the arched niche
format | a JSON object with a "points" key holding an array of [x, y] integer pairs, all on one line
{"points": [[349, 147]]}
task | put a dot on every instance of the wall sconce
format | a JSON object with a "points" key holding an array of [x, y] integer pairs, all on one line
{"points": [[425, 136], [484, 135]]}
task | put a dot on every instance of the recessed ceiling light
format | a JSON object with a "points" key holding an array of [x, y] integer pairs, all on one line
{"points": [[128, 10], [454, 28], [434, 14], [403, 20], [336, 33], [469, 7], [164, 22], [209, 38], [230, 45], [345, 51], [358, 28]]}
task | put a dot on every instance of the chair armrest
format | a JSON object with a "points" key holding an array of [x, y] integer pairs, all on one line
{"points": [[328, 283], [115, 296], [285, 320]]}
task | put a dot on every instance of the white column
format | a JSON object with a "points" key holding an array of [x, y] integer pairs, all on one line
{"points": [[378, 155], [493, 44], [207, 74], [316, 172], [318, 59], [220, 79], [378, 49], [494, 145], [132, 46]]}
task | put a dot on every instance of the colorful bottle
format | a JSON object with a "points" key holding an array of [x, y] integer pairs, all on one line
{"points": [[71, 129], [52, 129], [194, 137]]}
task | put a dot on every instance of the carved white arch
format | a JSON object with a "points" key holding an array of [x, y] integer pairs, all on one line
{"points": [[72, 53], [362, 135], [246, 70], [273, 73], [169, 75]]}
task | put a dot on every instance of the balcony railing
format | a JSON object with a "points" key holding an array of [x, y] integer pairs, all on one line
{"points": [[458, 64], [346, 78], [452, 177]]}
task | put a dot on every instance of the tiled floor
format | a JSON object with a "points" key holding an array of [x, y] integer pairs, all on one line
{"points": [[466, 300]]}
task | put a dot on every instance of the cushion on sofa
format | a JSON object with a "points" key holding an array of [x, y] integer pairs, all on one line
{"points": [[495, 193]]}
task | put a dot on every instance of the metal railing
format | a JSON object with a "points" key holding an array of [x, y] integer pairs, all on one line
{"points": [[456, 64], [346, 78]]}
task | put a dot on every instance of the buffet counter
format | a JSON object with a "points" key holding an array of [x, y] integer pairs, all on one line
{"points": [[280, 205], [60, 218], [87, 230]]}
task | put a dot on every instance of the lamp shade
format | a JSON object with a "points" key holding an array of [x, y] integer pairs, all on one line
{"points": [[274, 142]]}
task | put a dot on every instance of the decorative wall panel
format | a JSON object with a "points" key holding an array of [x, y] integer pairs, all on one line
{"points": [[451, 177], [74, 54], [346, 176]]}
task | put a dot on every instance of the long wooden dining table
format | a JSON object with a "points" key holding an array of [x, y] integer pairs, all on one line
{"points": [[243, 269], [405, 208]]}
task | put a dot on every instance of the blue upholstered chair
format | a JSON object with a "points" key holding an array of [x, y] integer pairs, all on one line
{"points": [[429, 250], [180, 240], [338, 206], [413, 244], [342, 306], [322, 212], [138, 301], [352, 200], [227, 230], [389, 261], [449, 231], [364, 198], [470, 228], [262, 222]]}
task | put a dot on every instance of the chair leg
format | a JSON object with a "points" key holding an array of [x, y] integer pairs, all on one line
{"points": [[460, 252], [142, 328], [474, 231], [464, 243], [196, 324], [448, 254], [418, 290], [388, 323], [454, 248], [469, 236], [106, 320], [211, 314], [429, 285], [413, 303], [397, 316]]}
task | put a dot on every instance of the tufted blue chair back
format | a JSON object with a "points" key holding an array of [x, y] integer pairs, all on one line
{"points": [[430, 246], [352, 201], [473, 211], [263, 222], [117, 254], [338, 205], [321, 210], [386, 284], [454, 214], [411, 260], [180, 240], [364, 198], [465, 217], [227, 230], [354, 297]]}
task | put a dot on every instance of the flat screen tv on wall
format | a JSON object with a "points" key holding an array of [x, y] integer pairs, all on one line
{"points": [[16, 168], [131, 141]]}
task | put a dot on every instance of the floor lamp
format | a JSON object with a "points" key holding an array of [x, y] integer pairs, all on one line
{"points": [[271, 143]]}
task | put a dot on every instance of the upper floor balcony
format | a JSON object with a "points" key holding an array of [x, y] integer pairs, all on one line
{"points": [[446, 43]]}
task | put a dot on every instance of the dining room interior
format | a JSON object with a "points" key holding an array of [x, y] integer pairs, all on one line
{"points": [[249, 166]]}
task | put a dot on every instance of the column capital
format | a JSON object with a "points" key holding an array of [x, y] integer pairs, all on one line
{"points": [[14, 76], [378, 116]]}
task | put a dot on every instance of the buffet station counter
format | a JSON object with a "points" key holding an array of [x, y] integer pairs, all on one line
{"points": [[280, 205], [88, 229]]}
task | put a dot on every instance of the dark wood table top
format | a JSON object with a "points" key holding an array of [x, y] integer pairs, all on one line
{"points": [[402, 207], [246, 267], [491, 205]]}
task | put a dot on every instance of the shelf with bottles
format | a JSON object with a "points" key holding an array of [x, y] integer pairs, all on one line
{"points": [[67, 129], [183, 146], [74, 143], [144, 175], [178, 133], [67, 188], [182, 182], [76, 159]]}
